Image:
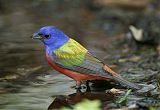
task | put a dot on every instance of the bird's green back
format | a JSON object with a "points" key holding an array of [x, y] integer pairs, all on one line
{"points": [[71, 53]]}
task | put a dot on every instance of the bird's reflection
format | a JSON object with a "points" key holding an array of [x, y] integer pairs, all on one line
{"points": [[96, 93]]}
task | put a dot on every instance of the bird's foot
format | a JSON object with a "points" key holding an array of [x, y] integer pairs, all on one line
{"points": [[82, 87], [78, 85]]}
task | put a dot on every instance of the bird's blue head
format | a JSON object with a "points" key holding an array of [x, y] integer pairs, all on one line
{"points": [[52, 37]]}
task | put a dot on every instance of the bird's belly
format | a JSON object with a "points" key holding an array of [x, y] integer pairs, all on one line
{"points": [[74, 75]]}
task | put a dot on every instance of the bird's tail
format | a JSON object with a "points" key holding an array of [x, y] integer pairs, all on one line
{"points": [[121, 80]]}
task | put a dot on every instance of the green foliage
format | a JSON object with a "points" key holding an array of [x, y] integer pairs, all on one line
{"points": [[123, 99], [85, 105], [152, 108]]}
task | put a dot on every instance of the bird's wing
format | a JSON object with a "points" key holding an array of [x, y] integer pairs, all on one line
{"points": [[75, 57]]}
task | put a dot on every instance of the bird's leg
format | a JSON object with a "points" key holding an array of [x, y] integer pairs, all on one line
{"points": [[78, 92], [88, 87], [78, 85]]}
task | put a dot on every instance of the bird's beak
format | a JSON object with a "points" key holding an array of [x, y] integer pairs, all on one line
{"points": [[36, 36]]}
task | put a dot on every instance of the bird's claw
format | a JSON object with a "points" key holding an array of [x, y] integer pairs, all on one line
{"points": [[78, 87], [81, 87]]}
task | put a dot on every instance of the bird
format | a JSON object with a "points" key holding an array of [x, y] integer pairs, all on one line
{"points": [[70, 58]]}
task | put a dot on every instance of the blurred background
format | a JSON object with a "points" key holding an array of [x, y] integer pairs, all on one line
{"points": [[122, 33]]}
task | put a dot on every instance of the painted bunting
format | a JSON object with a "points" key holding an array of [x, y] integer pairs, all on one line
{"points": [[69, 57]]}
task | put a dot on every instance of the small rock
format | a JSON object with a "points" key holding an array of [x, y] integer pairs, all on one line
{"points": [[115, 91]]}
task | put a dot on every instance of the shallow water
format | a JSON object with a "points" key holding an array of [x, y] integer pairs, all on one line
{"points": [[34, 95]]}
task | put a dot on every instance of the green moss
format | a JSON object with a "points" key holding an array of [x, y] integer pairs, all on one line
{"points": [[85, 105]]}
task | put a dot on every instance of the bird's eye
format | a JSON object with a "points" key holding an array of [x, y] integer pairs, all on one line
{"points": [[46, 36]]}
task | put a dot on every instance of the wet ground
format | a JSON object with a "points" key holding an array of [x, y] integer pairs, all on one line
{"points": [[27, 82]]}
